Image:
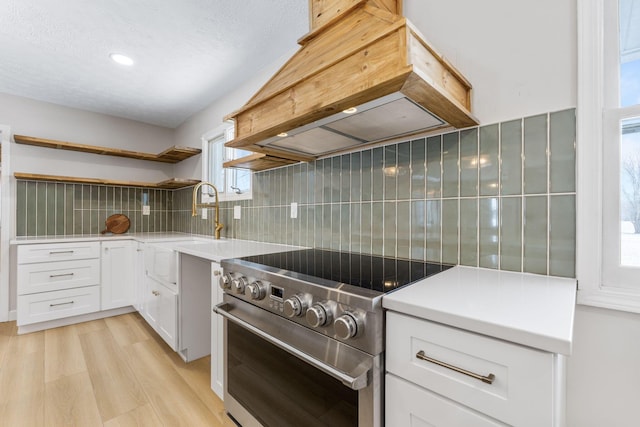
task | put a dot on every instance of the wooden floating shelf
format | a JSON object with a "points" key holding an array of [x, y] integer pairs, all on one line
{"points": [[258, 162], [173, 154], [170, 184]]}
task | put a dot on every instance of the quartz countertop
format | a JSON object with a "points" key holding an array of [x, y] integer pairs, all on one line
{"points": [[533, 310], [200, 246]]}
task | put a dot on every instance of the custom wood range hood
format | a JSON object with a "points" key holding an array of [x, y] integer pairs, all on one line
{"points": [[360, 55]]}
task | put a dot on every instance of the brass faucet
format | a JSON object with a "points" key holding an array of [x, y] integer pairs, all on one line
{"points": [[195, 206]]}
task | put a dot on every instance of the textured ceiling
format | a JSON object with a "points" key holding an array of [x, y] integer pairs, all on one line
{"points": [[187, 53]]}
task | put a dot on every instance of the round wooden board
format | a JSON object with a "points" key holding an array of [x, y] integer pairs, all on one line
{"points": [[116, 224]]}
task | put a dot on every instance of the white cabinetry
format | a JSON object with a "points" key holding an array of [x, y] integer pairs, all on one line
{"points": [[139, 282], [444, 376], [57, 280], [118, 273], [160, 310], [217, 341]]}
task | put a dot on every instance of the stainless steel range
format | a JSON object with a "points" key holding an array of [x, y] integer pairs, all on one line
{"points": [[304, 336]]}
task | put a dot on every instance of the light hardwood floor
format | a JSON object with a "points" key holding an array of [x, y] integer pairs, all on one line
{"points": [[112, 372]]}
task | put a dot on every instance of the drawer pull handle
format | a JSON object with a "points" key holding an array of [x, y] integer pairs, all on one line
{"points": [[60, 252], [61, 303], [488, 379], [61, 275]]}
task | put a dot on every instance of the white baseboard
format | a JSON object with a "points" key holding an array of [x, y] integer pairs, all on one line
{"points": [[13, 315], [25, 329]]}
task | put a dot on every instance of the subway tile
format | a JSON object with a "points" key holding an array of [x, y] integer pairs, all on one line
{"points": [[390, 172], [50, 188], [404, 171], [511, 233], [434, 230], [469, 232], [311, 178], [356, 177], [345, 178], [449, 231], [367, 175], [535, 234], [356, 222], [450, 169], [335, 226], [60, 209], [41, 209], [366, 228], [418, 230], [418, 168], [344, 236], [489, 226], [488, 161], [377, 228], [31, 208], [290, 194], [403, 230], [469, 162], [511, 157], [21, 208], [318, 226], [535, 154], [377, 172], [562, 235], [562, 147], [434, 167], [336, 185], [327, 232]]}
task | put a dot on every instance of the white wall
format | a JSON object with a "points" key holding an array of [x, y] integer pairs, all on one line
{"points": [[45, 120]]}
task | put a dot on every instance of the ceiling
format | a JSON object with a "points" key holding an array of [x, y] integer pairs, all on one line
{"points": [[187, 53]]}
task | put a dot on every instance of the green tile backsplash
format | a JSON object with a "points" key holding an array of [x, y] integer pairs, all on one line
{"points": [[56, 209], [500, 196]]}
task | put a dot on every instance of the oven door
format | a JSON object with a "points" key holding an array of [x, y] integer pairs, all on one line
{"points": [[281, 374]]}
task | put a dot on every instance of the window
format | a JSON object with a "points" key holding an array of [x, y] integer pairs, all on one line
{"points": [[609, 153], [232, 184]]}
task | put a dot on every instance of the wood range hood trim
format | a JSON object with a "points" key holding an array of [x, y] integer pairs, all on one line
{"points": [[362, 53]]}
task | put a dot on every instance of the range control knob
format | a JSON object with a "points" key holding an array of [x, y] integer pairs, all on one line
{"points": [[256, 290], [225, 281], [295, 306], [346, 326], [239, 284], [319, 314]]}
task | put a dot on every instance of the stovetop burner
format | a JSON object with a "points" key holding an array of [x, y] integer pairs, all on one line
{"points": [[373, 272]]}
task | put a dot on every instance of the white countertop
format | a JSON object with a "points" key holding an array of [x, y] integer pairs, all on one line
{"points": [[217, 250], [533, 310], [140, 237], [201, 246]]}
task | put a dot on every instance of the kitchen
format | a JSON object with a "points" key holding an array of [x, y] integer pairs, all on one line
{"points": [[504, 50]]}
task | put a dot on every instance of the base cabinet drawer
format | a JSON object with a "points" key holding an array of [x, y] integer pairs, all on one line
{"points": [[408, 405], [51, 276], [518, 386], [58, 252], [53, 305]]}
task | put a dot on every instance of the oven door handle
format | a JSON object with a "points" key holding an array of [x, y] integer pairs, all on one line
{"points": [[354, 383]]}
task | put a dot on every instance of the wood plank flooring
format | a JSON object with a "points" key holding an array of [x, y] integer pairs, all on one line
{"points": [[114, 372]]}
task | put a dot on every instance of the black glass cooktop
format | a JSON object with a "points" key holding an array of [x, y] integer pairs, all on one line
{"points": [[378, 273]]}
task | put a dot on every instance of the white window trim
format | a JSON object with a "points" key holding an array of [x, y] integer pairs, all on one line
{"points": [[225, 129], [590, 152]]}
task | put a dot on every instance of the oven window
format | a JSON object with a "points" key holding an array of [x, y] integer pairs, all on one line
{"points": [[280, 390]]}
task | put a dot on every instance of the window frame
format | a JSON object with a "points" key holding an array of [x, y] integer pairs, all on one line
{"points": [[226, 129], [597, 122]]}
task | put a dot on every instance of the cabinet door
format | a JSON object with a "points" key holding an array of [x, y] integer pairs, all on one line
{"points": [[408, 405], [168, 316], [217, 342], [118, 274], [151, 302], [139, 282]]}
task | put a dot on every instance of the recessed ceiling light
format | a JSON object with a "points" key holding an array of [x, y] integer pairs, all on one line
{"points": [[283, 134], [350, 110], [121, 59]]}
